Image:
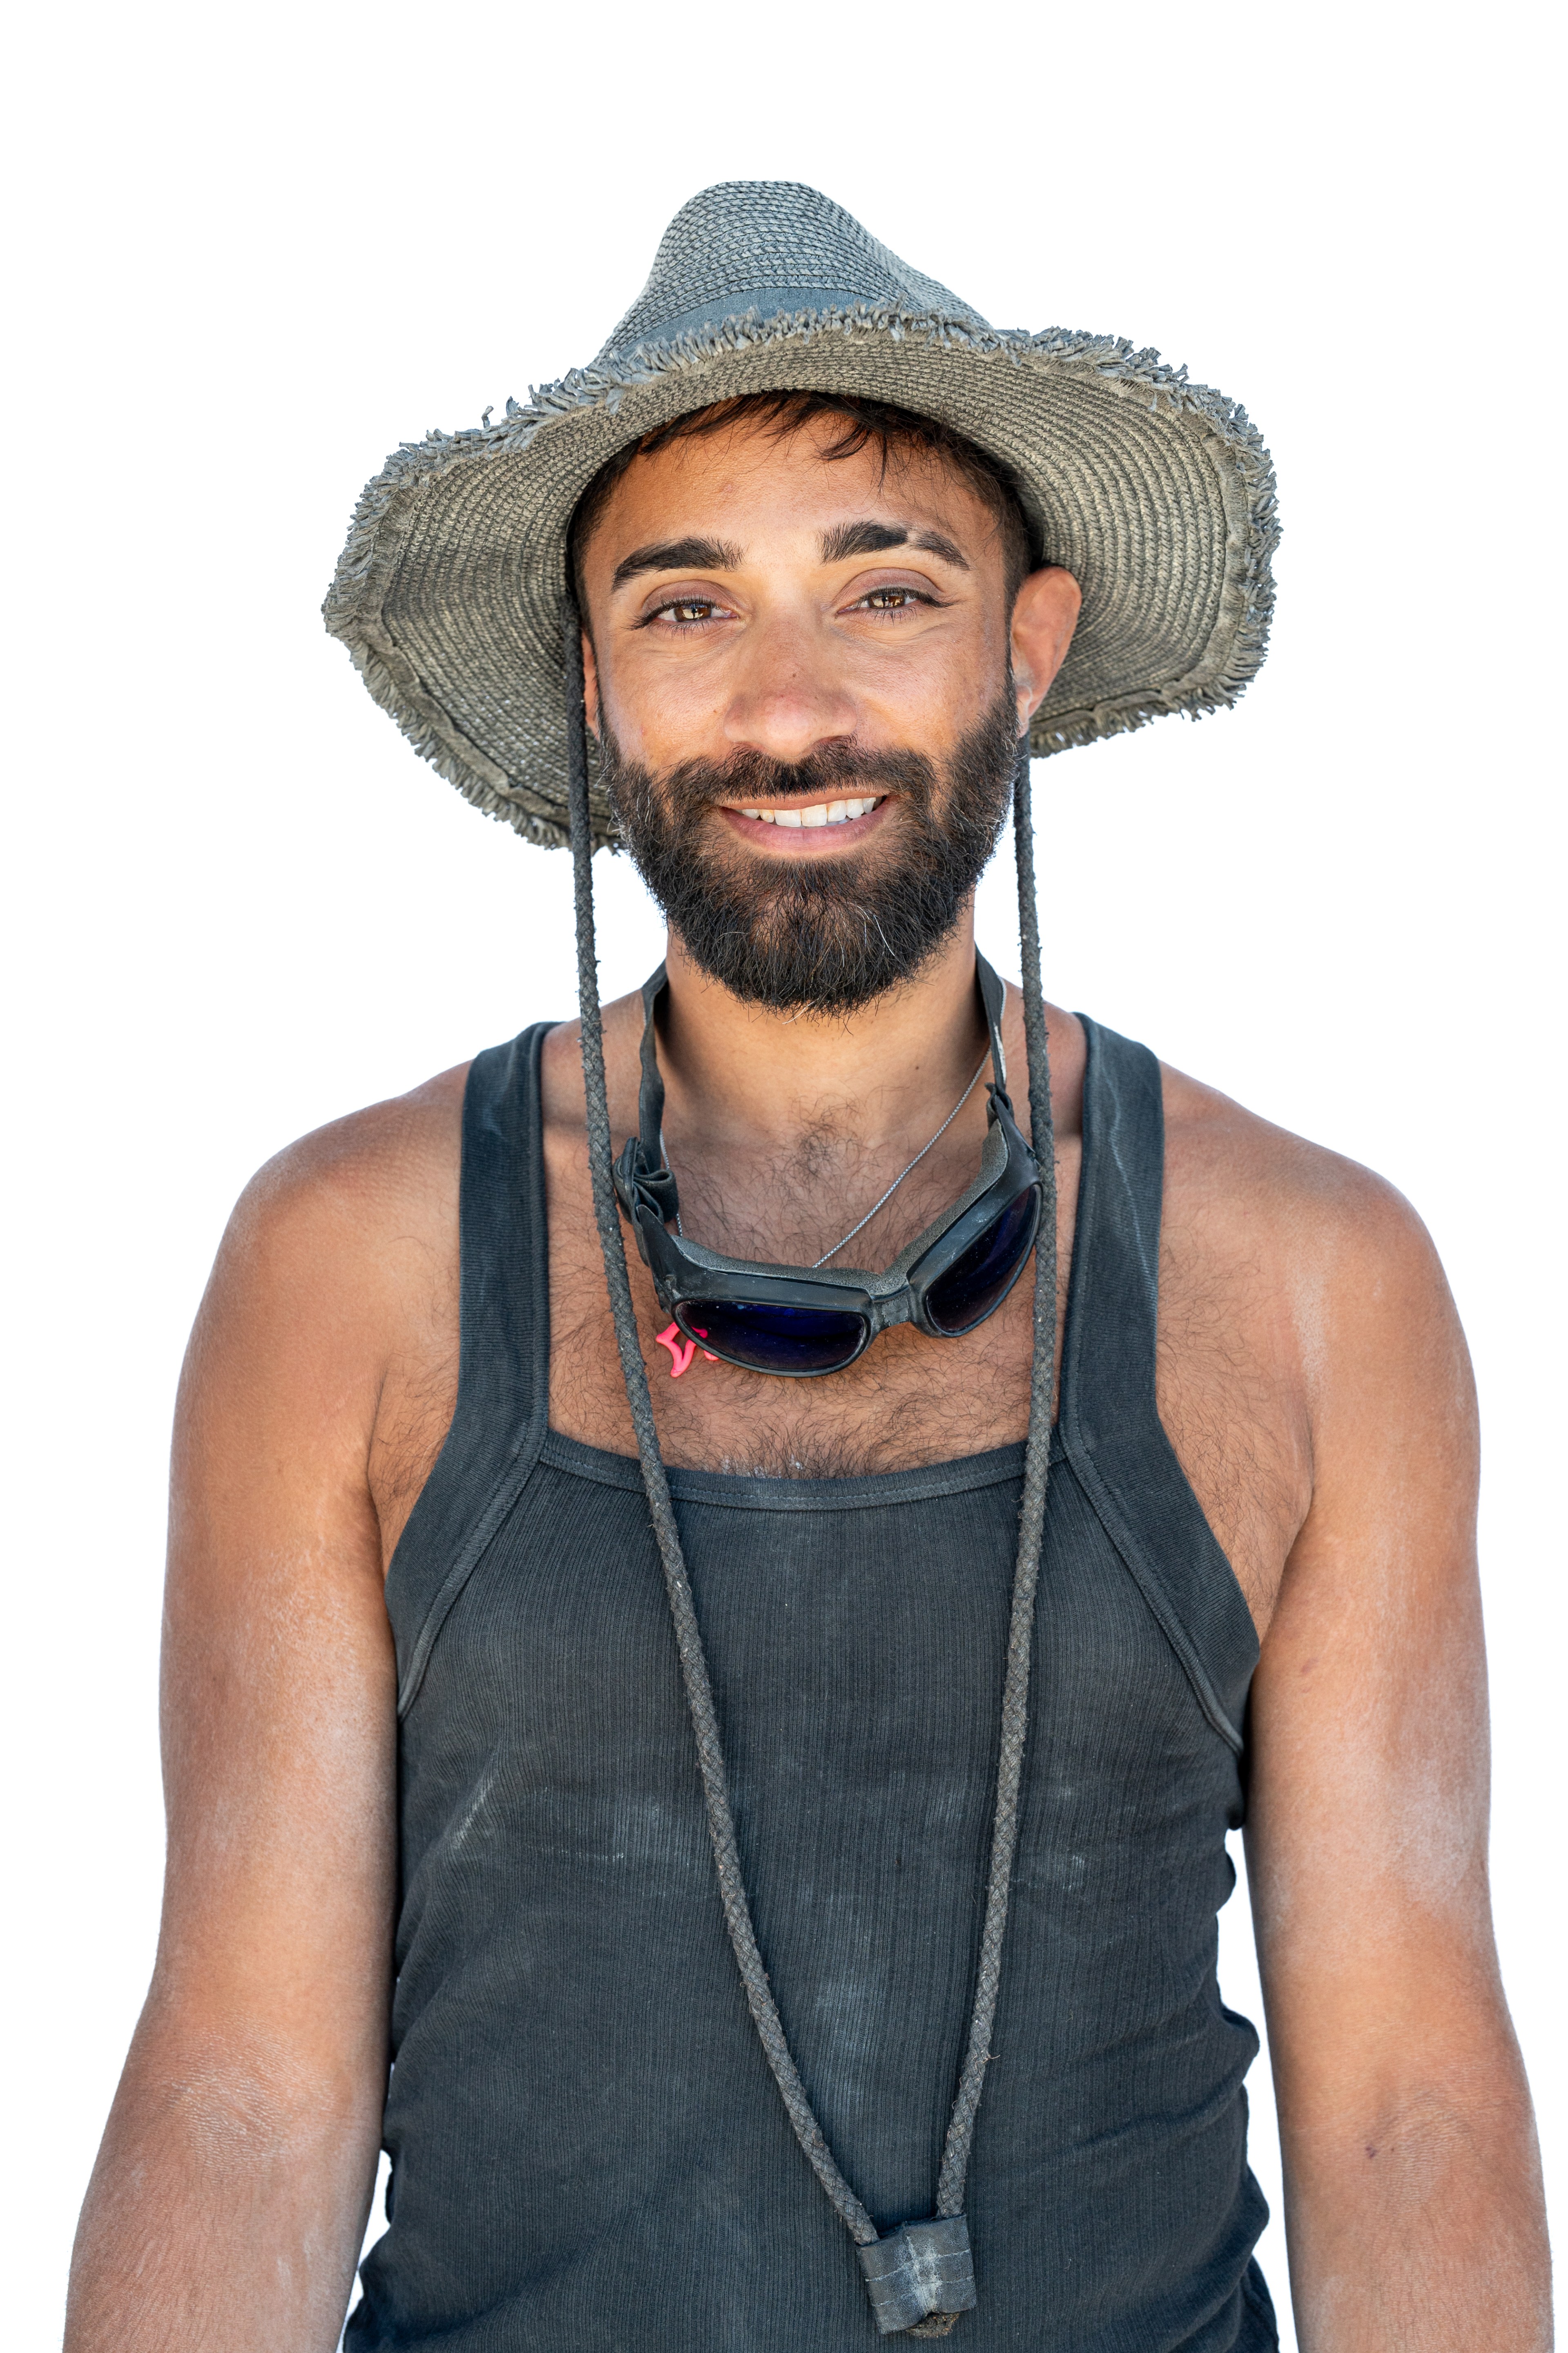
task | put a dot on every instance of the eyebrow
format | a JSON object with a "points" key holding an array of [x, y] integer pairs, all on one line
{"points": [[677, 556], [846, 539]]}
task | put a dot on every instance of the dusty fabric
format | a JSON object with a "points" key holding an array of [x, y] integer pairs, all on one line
{"points": [[589, 2152], [1156, 493]]}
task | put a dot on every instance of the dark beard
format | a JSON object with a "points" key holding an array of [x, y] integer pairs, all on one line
{"points": [[828, 936]]}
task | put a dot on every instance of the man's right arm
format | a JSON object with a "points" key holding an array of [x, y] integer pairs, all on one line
{"points": [[231, 2192]]}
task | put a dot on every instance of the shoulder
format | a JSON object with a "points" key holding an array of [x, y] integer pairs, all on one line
{"points": [[1224, 1161], [359, 1176], [1304, 1233], [1307, 1339], [336, 1277], [337, 1236]]}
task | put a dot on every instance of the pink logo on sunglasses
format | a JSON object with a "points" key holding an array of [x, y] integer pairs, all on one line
{"points": [[681, 1349]]}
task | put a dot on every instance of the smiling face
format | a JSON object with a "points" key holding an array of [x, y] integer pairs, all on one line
{"points": [[808, 689]]}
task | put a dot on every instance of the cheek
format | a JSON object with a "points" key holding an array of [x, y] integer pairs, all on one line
{"points": [[963, 662], [936, 693], [659, 715]]}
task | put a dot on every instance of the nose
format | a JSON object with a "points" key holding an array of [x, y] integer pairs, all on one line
{"points": [[787, 701]]}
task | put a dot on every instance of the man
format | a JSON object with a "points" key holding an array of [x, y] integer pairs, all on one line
{"points": [[462, 1685]]}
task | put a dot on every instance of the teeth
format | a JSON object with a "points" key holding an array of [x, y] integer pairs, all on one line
{"points": [[823, 813]]}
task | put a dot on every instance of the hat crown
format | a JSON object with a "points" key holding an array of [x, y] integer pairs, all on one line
{"points": [[770, 246]]}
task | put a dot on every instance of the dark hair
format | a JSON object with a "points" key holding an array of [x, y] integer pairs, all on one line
{"points": [[895, 432]]}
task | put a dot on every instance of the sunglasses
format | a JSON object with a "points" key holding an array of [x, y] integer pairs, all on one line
{"points": [[800, 1322]]}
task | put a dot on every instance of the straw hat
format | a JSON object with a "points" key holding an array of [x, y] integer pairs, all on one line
{"points": [[1156, 493]]}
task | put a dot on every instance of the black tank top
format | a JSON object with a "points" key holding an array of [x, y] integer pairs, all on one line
{"points": [[589, 2154]]}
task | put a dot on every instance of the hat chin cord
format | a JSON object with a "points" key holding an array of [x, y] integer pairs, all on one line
{"points": [[920, 2276]]}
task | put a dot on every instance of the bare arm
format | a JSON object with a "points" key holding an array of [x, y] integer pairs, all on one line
{"points": [[230, 2195], [1412, 2193]]}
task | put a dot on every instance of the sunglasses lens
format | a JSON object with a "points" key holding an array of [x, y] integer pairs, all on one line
{"points": [[976, 1284], [774, 1339]]}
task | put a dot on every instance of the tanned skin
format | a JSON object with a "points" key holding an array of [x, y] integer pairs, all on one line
{"points": [[1312, 1377]]}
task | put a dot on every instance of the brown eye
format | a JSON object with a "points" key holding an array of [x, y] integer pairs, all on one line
{"points": [[890, 600], [683, 613]]}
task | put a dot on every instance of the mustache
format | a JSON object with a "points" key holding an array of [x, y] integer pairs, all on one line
{"points": [[833, 771]]}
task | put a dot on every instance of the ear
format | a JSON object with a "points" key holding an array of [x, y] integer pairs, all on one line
{"points": [[1045, 615], [590, 684]]}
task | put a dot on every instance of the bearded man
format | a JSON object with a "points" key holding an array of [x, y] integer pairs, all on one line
{"points": [[750, 1726]]}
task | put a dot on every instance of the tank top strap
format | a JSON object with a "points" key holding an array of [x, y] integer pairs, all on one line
{"points": [[1111, 1423], [503, 1375]]}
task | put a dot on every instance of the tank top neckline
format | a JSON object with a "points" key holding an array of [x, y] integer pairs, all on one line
{"points": [[756, 1490]]}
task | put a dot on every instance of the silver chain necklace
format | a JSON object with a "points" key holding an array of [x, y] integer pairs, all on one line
{"points": [[892, 1188]]}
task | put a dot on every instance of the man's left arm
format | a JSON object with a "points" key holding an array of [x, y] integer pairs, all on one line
{"points": [[1414, 2204]]}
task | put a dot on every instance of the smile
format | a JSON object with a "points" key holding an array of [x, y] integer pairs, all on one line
{"points": [[820, 813]]}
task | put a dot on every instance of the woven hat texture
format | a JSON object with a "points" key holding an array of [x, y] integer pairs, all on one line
{"points": [[1156, 493]]}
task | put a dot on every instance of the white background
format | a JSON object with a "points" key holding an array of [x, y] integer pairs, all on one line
{"points": [[258, 247]]}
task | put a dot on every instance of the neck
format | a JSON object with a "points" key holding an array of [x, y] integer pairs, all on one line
{"points": [[744, 1078]]}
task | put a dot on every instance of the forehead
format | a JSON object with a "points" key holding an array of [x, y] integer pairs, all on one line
{"points": [[749, 483]]}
